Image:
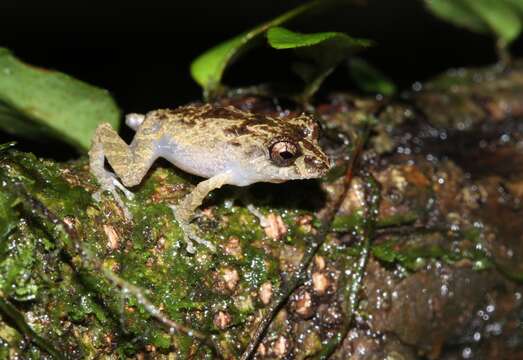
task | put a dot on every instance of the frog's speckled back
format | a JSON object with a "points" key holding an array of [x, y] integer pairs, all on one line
{"points": [[205, 140]]}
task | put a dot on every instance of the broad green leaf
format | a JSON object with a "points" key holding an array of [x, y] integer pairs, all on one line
{"points": [[207, 69], [281, 38], [36, 103], [500, 17], [322, 52], [370, 79], [458, 13]]}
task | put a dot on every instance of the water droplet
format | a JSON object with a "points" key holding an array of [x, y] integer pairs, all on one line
{"points": [[494, 329], [417, 86], [466, 353], [505, 138]]}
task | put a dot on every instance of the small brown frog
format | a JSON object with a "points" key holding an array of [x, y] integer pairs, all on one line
{"points": [[223, 144]]}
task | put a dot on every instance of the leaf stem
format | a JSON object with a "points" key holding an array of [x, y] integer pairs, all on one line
{"points": [[503, 53]]}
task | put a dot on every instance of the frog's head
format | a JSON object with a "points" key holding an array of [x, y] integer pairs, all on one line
{"points": [[290, 159], [286, 149]]}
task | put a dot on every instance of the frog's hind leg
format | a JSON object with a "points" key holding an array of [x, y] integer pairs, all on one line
{"points": [[129, 165], [107, 179], [129, 162]]}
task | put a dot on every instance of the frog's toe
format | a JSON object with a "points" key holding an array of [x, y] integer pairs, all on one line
{"points": [[189, 245], [192, 236], [190, 233], [97, 196], [128, 194], [126, 212], [264, 222]]}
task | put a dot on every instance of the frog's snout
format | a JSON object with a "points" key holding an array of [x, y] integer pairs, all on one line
{"points": [[316, 166]]}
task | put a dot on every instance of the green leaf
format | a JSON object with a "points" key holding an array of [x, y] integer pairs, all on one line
{"points": [[36, 103], [458, 13], [370, 79], [499, 17], [281, 38], [322, 52], [207, 69]]}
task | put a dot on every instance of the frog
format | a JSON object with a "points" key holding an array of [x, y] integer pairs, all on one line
{"points": [[224, 145]]}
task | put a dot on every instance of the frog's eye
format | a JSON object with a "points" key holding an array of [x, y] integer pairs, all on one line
{"points": [[283, 153]]}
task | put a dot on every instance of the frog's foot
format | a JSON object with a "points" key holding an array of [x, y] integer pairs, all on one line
{"points": [[110, 183], [190, 233], [264, 222]]}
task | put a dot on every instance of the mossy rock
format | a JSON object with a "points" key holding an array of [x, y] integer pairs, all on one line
{"points": [[80, 281]]}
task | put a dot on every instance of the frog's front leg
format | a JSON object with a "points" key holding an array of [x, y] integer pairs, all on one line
{"points": [[184, 211], [130, 163]]}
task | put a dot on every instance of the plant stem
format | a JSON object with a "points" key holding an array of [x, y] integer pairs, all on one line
{"points": [[503, 53]]}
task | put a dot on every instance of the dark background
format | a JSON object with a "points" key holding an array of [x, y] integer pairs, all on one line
{"points": [[141, 51]]}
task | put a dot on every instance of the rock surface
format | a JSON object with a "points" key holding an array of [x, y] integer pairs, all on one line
{"points": [[442, 279]]}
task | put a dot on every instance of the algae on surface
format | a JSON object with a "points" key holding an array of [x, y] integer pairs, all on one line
{"points": [[79, 281]]}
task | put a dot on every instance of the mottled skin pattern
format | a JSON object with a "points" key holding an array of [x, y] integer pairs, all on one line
{"points": [[224, 144]]}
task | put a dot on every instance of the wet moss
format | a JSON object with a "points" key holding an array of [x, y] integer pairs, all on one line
{"points": [[413, 255], [41, 263]]}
